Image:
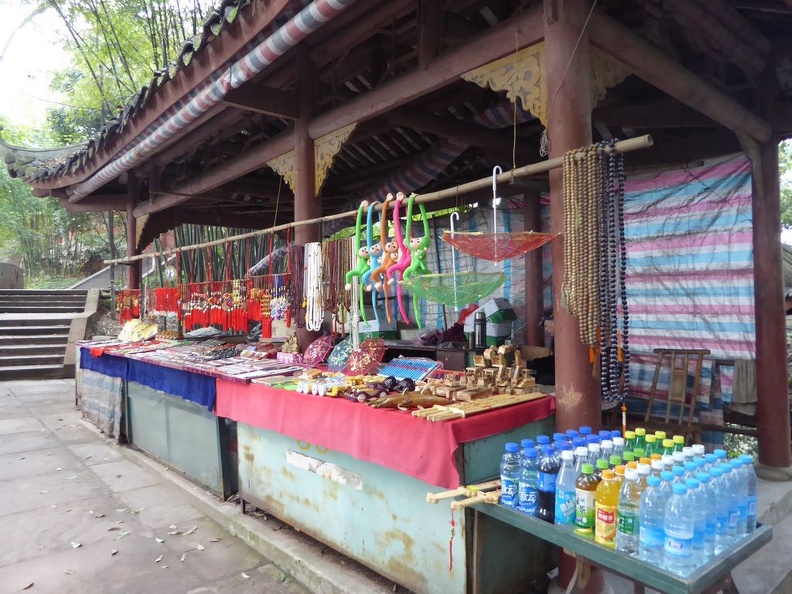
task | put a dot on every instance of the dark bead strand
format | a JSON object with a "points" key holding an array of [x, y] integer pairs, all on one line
{"points": [[613, 269], [603, 274], [623, 280]]}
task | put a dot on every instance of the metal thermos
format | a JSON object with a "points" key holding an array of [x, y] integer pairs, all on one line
{"points": [[480, 330]]}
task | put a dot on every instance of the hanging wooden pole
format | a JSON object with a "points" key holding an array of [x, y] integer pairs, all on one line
{"points": [[133, 272], [534, 308]]}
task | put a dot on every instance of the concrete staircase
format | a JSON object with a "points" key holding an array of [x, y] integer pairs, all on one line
{"points": [[38, 330]]}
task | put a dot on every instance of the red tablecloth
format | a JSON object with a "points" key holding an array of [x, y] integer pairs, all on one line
{"points": [[387, 437]]}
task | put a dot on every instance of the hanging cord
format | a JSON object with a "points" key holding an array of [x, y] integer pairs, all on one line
{"points": [[277, 202], [544, 142]]}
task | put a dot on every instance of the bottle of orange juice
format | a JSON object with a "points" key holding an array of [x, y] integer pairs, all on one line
{"points": [[606, 505]]}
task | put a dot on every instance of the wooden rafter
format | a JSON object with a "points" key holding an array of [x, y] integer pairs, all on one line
{"points": [[260, 98]]}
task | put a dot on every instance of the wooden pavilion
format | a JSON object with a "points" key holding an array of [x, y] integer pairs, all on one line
{"points": [[304, 107]]}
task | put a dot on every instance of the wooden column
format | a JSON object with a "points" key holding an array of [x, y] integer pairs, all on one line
{"points": [[534, 308], [133, 269], [772, 412], [306, 204], [568, 127]]}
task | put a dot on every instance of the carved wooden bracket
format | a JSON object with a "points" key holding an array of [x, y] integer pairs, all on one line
{"points": [[325, 149], [521, 75]]}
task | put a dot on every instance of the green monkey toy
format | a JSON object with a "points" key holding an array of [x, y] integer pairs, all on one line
{"points": [[419, 247], [364, 262]]}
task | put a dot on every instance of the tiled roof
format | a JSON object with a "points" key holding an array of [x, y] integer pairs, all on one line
{"points": [[39, 165]]}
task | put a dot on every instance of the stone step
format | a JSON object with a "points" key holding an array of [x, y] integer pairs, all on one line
{"points": [[40, 324], [41, 309], [41, 300], [65, 292], [33, 339], [33, 372], [32, 350], [42, 360]]}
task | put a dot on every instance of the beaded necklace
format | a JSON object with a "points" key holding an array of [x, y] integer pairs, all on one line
{"points": [[595, 257], [314, 314]]}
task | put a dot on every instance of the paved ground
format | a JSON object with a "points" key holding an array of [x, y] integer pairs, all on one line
{"points": [[78, 517]]}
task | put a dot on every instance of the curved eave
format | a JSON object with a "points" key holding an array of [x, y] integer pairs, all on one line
{"points": [[217, 47]]}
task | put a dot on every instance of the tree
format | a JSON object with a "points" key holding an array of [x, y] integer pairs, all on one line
{"points": [[785, 169]]}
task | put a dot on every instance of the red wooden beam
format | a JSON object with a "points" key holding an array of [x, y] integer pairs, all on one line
{"points": [[519, 31], [260, 98], [650, 64]]}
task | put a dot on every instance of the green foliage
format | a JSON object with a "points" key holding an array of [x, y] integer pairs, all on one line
{"points": [[785, 169]]}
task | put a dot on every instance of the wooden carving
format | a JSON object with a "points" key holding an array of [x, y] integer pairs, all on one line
{"points": [[286, 167], [325, 149]]}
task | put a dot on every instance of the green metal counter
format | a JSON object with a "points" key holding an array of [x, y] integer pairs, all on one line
{"points": [[641, 573]]}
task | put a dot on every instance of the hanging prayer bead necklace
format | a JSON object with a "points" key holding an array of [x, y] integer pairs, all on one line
{"points": [[314, 315]]}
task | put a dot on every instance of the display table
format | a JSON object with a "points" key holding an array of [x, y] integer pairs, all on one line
{"points": [[642, 574], [356, 478], [169, 415]]}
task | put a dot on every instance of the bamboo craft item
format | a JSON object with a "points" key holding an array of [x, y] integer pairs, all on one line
{"points": [[492, 497], [461, 410], [467, 491]]}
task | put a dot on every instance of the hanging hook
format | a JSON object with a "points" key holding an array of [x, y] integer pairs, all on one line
{"points": [[454, 217], [495, 200]]}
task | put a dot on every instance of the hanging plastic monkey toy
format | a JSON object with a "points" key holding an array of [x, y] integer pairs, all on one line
{"points": [[405, 256], [362, 251], [375, 255], [419, 247], [390, 254]]}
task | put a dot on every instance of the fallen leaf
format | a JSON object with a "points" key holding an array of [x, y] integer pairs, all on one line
{"points": [[75, 545], [163, 567], [173, 526], [114, 552], [159, 540], [173, 532], [158, 559], [216, 539], [122, 535], [200, 547], [183, 557], [281, 577], [69, 571], [246, 576], [29, 586], [112, 528], [190, 531]]}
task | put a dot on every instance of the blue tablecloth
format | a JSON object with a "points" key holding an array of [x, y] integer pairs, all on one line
{"points": [[196, 388]]}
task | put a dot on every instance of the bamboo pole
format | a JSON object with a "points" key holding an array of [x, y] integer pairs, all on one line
{"points": [[624, 146]]}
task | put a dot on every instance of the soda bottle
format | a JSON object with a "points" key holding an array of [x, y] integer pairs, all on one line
{"points": [[614, 461], [643, 473], [603, 435], [529, 478], [579, 441], [599, 467], [542, 442], [628, 456], [651, 445], [606, 503], [585, 496], [629, 441], [581, 457], [629, 509], [565, 492], [660, 436], [510, 475], [651, 535], [679, 442], [679, 530], [640, 438], [639, 453], [594, 453], [668, 447], [546, 487], [750, 481], [606, 448]]}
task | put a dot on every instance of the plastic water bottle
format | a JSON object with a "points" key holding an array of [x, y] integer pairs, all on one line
{"points": [[699, 520], [571, 434], [584, 430], [698, 450], [651, 535], [750, 482], [679, 474], [721, 454], [710, 460], [711, 523], [558, 436], [679, 458], [657, 467], [738, 477], [688, 452], [581, 457], [606, 449], [618, 445], [526, 443], [592, 439], [668, 447], [679, 530], [668, 480], [594, 453], [629, 510], [546, 485], [718, 487], [668, 461], [651, 445], [604, 434], [579, 441], [542, 442], [690, 469], [510, 475], [614, 434], [731, 488], [644, 470], [529, 477], [565, 492]]}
